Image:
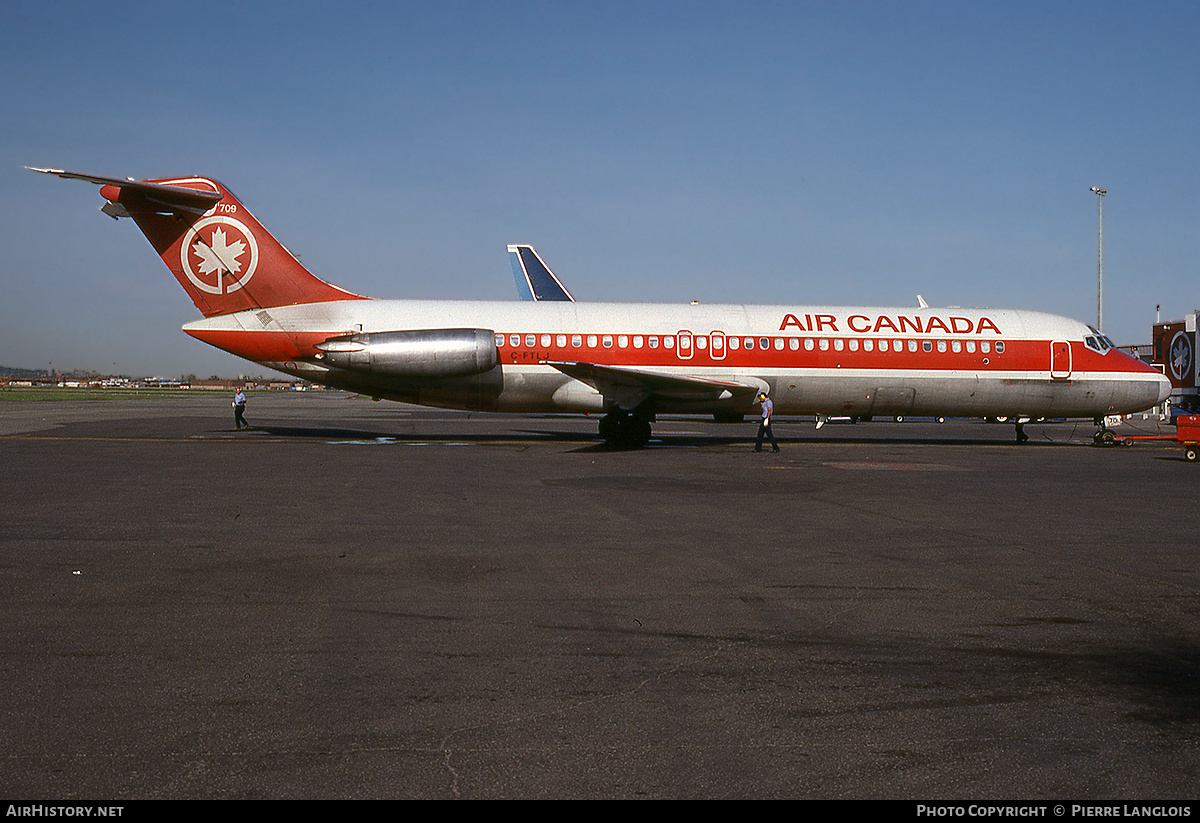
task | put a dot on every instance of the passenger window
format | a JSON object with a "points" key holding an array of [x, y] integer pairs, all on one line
{"points": [[499, 340], [794, 343], [809, 345], [927, 345], [576, 340], [591, 341], [985, 346], [668, 342], [702, 342], [623, 341], [868, 344], [999, 347], [561, 340], [764, 343], [607, 341], [514, 340], [530, 340], [779, 343], [956, 346], [853, 344], [912, 345], [839, 344], [545, 341], [941, 346], [749, 342], [734, 342], [685, 342], [823, 344], [970, 347], [654, 342], [637, 341]]}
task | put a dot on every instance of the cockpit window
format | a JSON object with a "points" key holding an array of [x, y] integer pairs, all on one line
{"points": [[1098, 342]]}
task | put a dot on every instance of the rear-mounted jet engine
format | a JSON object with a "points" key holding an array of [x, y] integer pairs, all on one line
{"points": [[419, 353]]}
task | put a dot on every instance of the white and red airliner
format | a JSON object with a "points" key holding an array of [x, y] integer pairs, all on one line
{"points": [[627, 361]]}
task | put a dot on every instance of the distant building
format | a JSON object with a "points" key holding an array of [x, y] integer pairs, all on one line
{"points": [[1174, 351]]}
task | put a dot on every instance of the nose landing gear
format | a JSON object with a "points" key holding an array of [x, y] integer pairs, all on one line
{"points": [[1104, 436]]}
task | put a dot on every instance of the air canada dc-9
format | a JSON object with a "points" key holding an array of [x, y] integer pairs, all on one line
{"points": [[627, 362]]}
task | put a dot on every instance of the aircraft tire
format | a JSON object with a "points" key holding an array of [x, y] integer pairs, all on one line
{"points": [[610, 428], [637, 432], [625, 430]]}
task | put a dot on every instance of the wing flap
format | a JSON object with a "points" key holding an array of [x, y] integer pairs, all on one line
{"points": [[629, 388]]}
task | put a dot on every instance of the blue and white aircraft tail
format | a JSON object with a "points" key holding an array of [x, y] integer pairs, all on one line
{"points": [[535, 281]]}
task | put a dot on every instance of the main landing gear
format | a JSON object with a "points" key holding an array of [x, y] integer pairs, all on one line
{"points": [[626, 430], [1104, 436]]}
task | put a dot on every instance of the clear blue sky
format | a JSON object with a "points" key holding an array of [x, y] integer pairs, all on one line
{"points": [[793, 153]]}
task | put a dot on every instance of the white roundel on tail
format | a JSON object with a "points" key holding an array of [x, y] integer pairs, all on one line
{"points": [[1181, 357], [219, 255]]}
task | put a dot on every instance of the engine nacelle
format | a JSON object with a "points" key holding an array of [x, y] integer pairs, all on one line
{"points": [[418, 353]]}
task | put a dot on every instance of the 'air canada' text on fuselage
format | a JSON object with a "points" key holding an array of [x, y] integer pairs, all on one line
{"points": [[900, 324]]}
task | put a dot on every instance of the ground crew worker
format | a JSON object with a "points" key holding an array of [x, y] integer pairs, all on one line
{"points": [[239, 410], [764, 426]]}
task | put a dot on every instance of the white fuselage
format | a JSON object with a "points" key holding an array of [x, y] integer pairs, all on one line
{"points": [[855, 361]]}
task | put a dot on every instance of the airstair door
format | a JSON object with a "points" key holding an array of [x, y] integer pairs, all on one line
{"points": [[1060, 359]]}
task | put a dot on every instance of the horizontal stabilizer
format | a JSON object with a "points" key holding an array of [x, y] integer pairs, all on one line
{"points": [[168, 198], [534, 279]]}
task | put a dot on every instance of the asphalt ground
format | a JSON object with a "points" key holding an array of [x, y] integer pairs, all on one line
{"points": [[367, 600]]}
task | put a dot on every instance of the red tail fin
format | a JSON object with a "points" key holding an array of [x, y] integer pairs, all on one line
{"points": [[224, 259]]}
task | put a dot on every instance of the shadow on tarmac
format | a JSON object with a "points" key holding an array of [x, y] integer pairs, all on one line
{"points": [[591, 442]]}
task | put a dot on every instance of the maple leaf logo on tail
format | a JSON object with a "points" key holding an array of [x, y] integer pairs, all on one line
{"points": [[219, 255], [213, 260]]}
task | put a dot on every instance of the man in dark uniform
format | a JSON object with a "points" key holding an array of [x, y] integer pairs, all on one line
{"points": [[764, 426]]}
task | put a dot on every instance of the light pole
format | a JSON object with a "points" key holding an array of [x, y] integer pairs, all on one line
{"points": [[1100, 293]]}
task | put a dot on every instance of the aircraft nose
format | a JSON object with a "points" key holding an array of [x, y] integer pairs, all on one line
{"points": [[1164, 388]]}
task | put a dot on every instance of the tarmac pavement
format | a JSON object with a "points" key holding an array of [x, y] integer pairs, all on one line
{"points": [[369, 600]]}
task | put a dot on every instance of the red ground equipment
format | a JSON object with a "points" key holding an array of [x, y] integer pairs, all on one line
{"points": [[1187, 434]]}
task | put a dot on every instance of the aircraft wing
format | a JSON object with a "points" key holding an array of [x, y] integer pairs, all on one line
{"points": [[628, 388], [534, 279], [170, 198]]}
